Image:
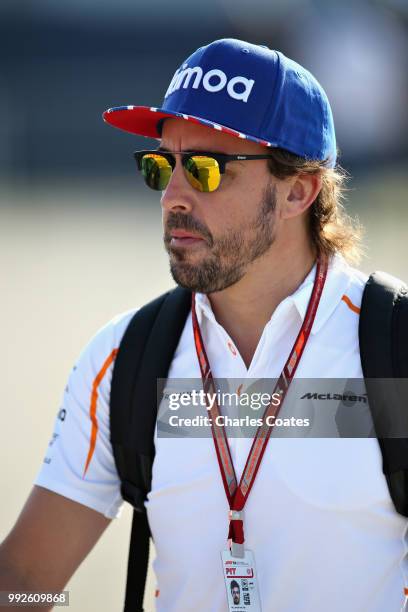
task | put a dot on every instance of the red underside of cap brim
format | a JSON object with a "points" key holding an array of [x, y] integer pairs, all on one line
{"points": [[140, 120], [143, 120]]}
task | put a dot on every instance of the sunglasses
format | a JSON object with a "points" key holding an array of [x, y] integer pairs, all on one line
{"points": [[203, 170]]}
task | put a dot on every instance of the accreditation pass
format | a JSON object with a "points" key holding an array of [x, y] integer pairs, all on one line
{"points": [[241, 582]]}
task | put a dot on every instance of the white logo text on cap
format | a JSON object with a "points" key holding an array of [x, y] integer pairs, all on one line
{"points": [[212, 81]]}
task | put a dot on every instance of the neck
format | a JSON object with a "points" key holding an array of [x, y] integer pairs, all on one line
{"points": [[244, 308]]}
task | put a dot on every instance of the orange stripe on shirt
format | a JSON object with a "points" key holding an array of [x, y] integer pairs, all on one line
{"points": [[350, 304], [94, 401]]}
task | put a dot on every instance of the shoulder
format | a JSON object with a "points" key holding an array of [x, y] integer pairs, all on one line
{"points": [[352, 280], [93, 368], [104, 344], [359, 280], [96, 359]]}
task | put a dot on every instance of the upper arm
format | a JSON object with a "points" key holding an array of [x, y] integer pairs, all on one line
{"points": [[50, 539]]}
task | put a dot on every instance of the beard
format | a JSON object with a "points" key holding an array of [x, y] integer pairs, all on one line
{"points": [[229, 254]]}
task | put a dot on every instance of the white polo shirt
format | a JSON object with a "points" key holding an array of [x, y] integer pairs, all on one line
{"points": [[319, 519]]}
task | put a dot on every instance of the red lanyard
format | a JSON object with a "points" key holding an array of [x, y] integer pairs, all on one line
{"points": [[237, 495]]}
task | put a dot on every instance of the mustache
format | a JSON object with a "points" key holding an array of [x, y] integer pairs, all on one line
{"points": [[187, 223]]}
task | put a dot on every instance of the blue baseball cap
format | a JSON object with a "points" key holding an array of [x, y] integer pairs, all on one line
{"points": [[246, 90]]}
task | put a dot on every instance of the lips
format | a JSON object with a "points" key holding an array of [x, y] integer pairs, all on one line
{"points": [[184, 238]]}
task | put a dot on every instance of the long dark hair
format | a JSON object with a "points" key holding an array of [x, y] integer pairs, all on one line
{"points": [[332, 229]]}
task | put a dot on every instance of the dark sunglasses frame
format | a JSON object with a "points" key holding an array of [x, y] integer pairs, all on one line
{"points": [[221, 158]]}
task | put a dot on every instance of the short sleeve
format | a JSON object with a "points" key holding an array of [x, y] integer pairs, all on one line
{"points": [[79, 462]]}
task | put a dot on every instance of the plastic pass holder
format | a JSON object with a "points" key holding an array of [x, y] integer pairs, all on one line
{"points": [[240, 580]]}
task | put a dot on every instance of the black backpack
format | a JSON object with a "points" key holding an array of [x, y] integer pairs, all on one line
{"points": [[146, 352]]}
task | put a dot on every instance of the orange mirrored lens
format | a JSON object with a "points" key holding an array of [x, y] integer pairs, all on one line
{"points": [[203, 173], [156, 171]]}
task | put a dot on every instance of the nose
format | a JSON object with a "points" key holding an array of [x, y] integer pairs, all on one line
{"points": [[179, 195]]}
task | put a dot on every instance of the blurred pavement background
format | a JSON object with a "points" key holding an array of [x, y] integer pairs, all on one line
{"points": [[80, 237]]}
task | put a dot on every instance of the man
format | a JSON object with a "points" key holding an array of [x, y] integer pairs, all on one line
{"points": [[235, 592], [263, 245]]}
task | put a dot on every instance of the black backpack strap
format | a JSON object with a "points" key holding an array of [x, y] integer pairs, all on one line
{"points": [[383, 336], [144, 355]]}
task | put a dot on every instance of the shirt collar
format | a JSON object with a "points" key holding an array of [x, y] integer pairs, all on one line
{"points": [[337, 281], [203, 308]]}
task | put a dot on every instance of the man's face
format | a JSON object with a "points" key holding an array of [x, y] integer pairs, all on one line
{"points": [[235, 595], [213, 238]]}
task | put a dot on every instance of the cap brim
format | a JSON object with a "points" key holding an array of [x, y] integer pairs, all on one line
{"points": [[144, 121]]}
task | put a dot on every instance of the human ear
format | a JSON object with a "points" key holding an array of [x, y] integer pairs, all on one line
{"points": [[301, 192]]}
